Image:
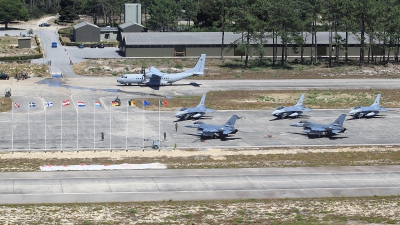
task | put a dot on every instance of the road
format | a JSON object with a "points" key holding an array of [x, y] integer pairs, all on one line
{"points": [[206, 184]]}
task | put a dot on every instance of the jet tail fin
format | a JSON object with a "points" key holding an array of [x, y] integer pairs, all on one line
{"points": [[203, 99], [378, 97], [340, 120], [301, 99], [198, 69], [232, 120]]}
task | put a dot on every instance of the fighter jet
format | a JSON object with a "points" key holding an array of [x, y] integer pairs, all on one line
{"points": [[368, 111], [153, 77], [221, 131], [293, 111], [196, 112], [311, 128]]}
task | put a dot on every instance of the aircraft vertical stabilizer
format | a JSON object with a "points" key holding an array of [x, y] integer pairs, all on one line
{"points": [[203, 99], [231, 122], [300, 102], [198, 69], [378, 97], [340, 120]]}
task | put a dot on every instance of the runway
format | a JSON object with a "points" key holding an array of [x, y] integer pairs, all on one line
{"points": [[198, 184]]}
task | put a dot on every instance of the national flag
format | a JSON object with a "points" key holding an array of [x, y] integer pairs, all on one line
{"points": [[32, 104], [115, 103], [163, 103], [48, 104], [65, 102], [146, 103], [131, 103], [97, 104], [81, 104], [16, 105]]}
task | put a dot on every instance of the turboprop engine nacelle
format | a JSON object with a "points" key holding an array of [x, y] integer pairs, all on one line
{"points": [[294, 114], [371, 114]]}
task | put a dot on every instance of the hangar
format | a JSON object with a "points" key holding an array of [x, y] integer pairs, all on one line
{"points": [[171, 44], [86, 32]]}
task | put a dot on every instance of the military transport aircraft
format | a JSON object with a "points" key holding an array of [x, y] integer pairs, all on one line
{"points": [[311, 128], [293, 111], [153, 77], [221, 131], [368, 111], [196, 112]]}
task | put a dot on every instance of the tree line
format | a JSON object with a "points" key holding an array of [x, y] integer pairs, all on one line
{"points": [[287, 22]]}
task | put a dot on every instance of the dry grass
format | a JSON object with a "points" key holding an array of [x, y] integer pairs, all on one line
{"points": [[337, 211], [33, 70], [5, 104], [9, 47], [234, 69]]}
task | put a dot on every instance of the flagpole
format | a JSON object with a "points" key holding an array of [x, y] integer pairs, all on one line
{"points": [[159, 126], [143, 127], [12, 128], [61, 126], [110, 125], [29, 131], [77, 128], [94, 127], [45, 127], [127, 120]]}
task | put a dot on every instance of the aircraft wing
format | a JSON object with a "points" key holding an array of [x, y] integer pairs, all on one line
{"points": [[210, 110], [210, 130], [155, 72], [319, 129]]}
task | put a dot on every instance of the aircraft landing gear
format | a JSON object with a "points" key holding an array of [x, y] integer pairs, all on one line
{"points": [[129, 84]]}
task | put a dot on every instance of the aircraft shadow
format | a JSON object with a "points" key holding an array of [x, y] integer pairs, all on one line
{"points": [[369, 117], [210, 138], [317, 137]]}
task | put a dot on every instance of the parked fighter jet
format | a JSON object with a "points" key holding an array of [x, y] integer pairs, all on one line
{"points": [[196, 112], [293, 111], [221, 131], [322, 129], [153, 77], [372, 110]]}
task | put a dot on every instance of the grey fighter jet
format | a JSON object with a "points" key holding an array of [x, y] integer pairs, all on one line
{"points": [[311, 128], [293, 111], [154, 77], [368, 111], [196, 112], [221, 131]]}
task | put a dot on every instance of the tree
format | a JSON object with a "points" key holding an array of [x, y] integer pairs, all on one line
{"points": [[68, 12], [163, 15], [11, 10], [189, 10]]}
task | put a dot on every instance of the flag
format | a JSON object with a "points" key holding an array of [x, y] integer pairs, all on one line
{"points": [[131, 103], [115, 103], [32, 104], [97, 104], [146, 103], [81, 104], [48, 104], [65, 102], [163, 103], [16, 105]]}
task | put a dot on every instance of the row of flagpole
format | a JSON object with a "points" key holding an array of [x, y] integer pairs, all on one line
{"points": [[97, 104]]}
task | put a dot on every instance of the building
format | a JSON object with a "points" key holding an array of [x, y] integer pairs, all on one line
{"points": [[170, 44], [86, 32], [133, 12], [24, 42], [108, 33]]}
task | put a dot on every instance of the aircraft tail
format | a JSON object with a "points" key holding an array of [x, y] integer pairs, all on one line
{"points": [[340, 120], [203, 99], [300, 102], [378, 97], [231, 122], [198, 69]]}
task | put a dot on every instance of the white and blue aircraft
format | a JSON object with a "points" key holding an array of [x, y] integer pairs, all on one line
{"points": [[368, 111], [154, 77], [329, 130], [196, 112], [293, 111]]}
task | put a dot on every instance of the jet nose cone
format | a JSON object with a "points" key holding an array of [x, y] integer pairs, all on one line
{"points": [[276, 112]]}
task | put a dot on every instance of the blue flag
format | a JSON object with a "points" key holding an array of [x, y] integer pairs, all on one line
{"points": [[146, 103], [32, 104]]}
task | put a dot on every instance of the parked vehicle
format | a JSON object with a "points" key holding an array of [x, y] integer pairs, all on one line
{"points": [[4, 76], [54, 44], [81, 46], [93, 46], [101, 45], [44, 25]]}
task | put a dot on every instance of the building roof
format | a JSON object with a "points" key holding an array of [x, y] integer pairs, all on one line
{"points": [[109, 29], [79, 25], [214, 38], [128, 24]]}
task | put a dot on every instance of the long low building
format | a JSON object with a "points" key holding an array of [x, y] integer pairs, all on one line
{"points": [[170, 44]]}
